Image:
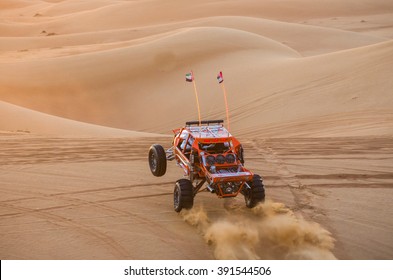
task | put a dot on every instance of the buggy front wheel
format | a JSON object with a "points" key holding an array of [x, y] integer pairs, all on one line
{"points": [[256, 194], [157, 160], [183, 195]]}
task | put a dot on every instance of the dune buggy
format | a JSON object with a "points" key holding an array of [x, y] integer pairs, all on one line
{"points": [[207, 153]]}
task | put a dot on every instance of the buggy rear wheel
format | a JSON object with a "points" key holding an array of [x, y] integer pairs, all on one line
{"points": [[256, 194], [241, 154], [183, 195], [157, 160]]}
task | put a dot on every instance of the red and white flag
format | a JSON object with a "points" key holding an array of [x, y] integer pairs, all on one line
{"points": [[220, 78]]}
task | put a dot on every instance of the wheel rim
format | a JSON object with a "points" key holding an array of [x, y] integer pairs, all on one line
{"points": [[248, 197], [176, 198], [153, 162]]}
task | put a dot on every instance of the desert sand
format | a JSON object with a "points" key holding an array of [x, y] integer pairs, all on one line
{"points": [[87, 86]]}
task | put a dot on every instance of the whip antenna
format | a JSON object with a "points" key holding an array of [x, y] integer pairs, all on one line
{"points": [[220, 80], [190, 78]]}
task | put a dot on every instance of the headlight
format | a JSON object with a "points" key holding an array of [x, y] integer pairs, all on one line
{"points": [[230, 158], [220, 159], [210, 160]]}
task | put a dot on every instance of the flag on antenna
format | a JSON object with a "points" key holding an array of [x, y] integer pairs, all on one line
{"points": [[189, 77], [220, 78]]}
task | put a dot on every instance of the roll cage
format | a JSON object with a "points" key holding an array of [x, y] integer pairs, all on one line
{"points": [[207, 152]]}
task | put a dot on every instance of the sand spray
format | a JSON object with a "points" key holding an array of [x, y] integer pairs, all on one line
{"points": [[268, 231]]}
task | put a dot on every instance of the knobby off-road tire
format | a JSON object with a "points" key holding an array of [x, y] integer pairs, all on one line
{"points": [[241, 154], [257, 192], [157, 160], [183, 195]]}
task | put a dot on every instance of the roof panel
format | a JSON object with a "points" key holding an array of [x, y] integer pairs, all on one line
{"points": [[211, 131]]}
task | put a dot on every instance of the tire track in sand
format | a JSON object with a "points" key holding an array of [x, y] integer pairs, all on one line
{"points": [[301, 193], [116, 249], [166, 236]]}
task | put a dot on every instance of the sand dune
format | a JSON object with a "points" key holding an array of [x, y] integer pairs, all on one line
{"points": [[323, 39], [112, 66], [83, 79], [85, 86], [157, 69], [355, 88], [17, 119]]}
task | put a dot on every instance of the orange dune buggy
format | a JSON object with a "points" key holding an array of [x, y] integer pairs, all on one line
{"points": [[207, 153]]}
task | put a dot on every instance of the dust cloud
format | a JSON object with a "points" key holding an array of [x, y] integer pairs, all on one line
{"points": [[268, 231]]}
